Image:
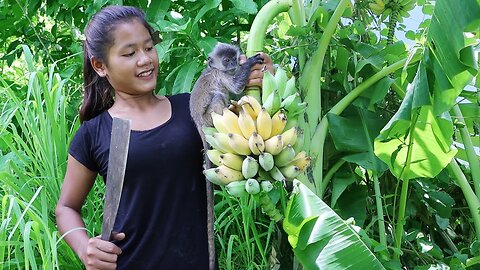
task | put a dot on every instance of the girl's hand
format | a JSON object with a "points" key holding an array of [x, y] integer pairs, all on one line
{"points": [[256, 75], [102, 255]]}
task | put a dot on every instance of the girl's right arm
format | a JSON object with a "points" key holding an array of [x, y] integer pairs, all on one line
{"points": [[94, 252]]}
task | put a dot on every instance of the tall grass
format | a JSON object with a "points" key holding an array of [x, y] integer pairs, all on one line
{"points": [[34, 136]]}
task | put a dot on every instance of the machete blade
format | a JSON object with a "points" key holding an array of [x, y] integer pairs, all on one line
{"points": [[117, 162]]}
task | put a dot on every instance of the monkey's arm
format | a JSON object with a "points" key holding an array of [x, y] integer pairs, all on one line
{"points": [[239, 80]]}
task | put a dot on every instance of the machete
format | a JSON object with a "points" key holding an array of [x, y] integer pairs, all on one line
{"points": [[117, 162]]}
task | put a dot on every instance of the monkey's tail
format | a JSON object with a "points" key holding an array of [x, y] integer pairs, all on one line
{"points": [[210, 214]]}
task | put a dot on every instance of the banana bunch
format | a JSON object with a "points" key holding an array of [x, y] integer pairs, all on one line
{"points": [[386, 8], [256, 143]]}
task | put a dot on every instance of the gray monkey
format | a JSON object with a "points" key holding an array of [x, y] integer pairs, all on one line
{"points": [[224, 75]]}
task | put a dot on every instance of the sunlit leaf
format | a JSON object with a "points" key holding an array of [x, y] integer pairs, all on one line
{"points": [[321, 239]]}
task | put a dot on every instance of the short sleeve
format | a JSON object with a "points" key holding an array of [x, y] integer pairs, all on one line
{"points": [[81, 148]]}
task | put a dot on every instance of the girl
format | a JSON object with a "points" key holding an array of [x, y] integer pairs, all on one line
{"points": [[162, 215]]}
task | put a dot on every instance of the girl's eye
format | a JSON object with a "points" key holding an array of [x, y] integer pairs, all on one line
{"points": [[149, 49], [129, 54]]}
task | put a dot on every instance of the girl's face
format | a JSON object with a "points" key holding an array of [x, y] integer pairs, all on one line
{"points": [[132, 61]]}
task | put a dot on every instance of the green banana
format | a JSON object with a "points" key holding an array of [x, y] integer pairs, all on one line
{"points": [[273, 102], [266, 161], [252, 186], [249, 167], [277, 174], [237, 188], [285, 156], [214, 156], [290, 88], [290, 171], [281, 80], [268, 85], [266, 186]]}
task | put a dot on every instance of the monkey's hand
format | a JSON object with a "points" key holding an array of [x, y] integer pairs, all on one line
{"points": [[256, 75]]}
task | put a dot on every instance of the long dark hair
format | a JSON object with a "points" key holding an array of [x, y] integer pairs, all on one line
{"points": [[98, 93]]}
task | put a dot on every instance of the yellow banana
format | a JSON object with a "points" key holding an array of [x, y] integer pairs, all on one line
{"points": [[214, 156], [274, 145], [218, 122], [228, 175], [301, 163], [279, 121], [246, 124], [238, 144], [230, 119], [250, 105], [256, 144], [290, 136], [222, 141], [264, 124], [231, 160]]}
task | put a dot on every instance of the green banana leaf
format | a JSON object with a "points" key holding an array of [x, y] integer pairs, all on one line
{"points": [[416, 142], [359, 148], [320, 238]]}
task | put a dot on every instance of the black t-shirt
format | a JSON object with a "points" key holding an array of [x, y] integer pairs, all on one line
{"points": [[163, 205]]}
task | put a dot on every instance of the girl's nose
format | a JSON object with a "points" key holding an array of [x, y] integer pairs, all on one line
{"points": [[145, 59]]}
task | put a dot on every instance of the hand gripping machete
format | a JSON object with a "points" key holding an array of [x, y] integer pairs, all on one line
{"points": [[117, 162]]}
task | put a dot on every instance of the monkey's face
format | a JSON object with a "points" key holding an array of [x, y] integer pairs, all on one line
{"points": [[230, 62]]}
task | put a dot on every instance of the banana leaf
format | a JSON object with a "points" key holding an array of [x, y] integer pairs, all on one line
{"points": [[320, 238]]}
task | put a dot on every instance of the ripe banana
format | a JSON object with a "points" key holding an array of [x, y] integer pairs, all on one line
{"points": [[250, 105], [264, 124], [274, 145], [228, 175], [230, 119], [223, 142], [256, 144], [237, 188], [290, 136], [279, 121], [214, 156], [285, 156], [231, 160], [301, 160], [249, 167], [266, 186], [290, 171], [218, 122], [238, 144], [266, 161], [252, 186], [246, 124]]}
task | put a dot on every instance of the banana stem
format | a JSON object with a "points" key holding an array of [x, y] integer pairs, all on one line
{"points": [[330, 174], [258, 30], [472, 200], [297, 15], [318, 138], [262, 20], [403, 195], [469, 149], [381, 218]]}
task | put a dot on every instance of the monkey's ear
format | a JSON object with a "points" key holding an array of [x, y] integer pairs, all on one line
{"points": [[210, 61]]}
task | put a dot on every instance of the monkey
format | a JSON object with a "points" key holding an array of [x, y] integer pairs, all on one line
{"points": [[223, 76]]}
